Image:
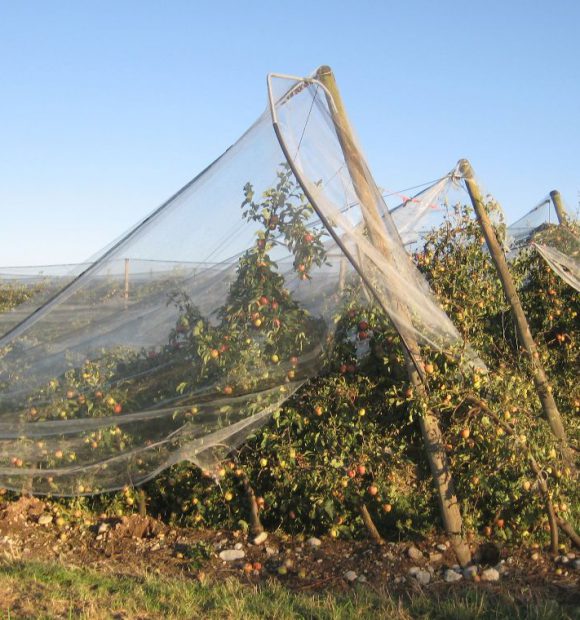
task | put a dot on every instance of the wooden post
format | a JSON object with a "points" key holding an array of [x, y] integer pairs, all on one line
{"points": [[430, 430], [142, 502], [523, 329], [126, 280], [558, 206]]}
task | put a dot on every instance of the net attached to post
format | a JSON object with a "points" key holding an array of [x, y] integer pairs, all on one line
{"points": [[558, 243], [101, 386], [419, 215]]}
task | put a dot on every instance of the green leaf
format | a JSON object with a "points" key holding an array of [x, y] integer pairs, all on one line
{"points": [[329, 508]]}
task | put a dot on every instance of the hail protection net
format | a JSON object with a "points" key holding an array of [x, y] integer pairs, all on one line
{"points": [[24, 289], [323, 151], [558, 242], [418, 216], [186, 334]]}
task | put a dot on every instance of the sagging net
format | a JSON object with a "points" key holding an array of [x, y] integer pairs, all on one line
{"points": [[540, 229], [117, 377], [556, 237]]}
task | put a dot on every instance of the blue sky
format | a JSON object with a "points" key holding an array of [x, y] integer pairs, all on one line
{"points": [[108, 107]]}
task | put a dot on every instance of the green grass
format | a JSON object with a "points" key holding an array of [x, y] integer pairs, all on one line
{"points": [[35, 590]]}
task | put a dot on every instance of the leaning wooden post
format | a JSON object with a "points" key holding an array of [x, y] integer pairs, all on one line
{"points": [[558, 206], [429, 423], [523, 329]]}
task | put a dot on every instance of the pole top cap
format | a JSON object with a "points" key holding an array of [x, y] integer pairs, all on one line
{"points": [[465, 168], [323, 70]]}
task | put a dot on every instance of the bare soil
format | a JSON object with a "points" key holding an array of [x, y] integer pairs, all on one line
{"points": [[135, 545]]}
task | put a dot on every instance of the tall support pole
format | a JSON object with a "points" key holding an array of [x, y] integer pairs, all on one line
{"points": [[523, 329], [558, 206], [430, 429]]}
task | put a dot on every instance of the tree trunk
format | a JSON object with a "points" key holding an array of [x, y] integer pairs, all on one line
{"points": [[142, 502], [370, 524], [256, 526]]}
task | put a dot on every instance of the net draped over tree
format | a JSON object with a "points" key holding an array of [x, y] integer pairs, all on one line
{"points": [[101, 386], [540, 228], [558, 243]]}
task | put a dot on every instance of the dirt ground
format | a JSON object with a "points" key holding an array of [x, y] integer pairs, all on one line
{"points": [[31, 529]]}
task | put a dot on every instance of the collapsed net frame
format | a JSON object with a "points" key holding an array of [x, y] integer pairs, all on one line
{"points": [[99, 389]]}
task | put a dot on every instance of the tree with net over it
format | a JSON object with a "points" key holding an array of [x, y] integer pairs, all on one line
{"points": [[214, 371], [100, 390]]}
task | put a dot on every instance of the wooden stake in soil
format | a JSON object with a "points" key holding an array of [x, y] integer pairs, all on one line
{"points": [[543, 389], [558, 206], [430, 430]]}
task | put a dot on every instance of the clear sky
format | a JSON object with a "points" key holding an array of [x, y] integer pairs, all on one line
{"points": [[108, 107]]}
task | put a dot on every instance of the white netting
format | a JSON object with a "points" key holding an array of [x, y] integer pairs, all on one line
{"points": [[520, 232], [540, 228], [558, 242], [129, 368], [566, 263]]}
